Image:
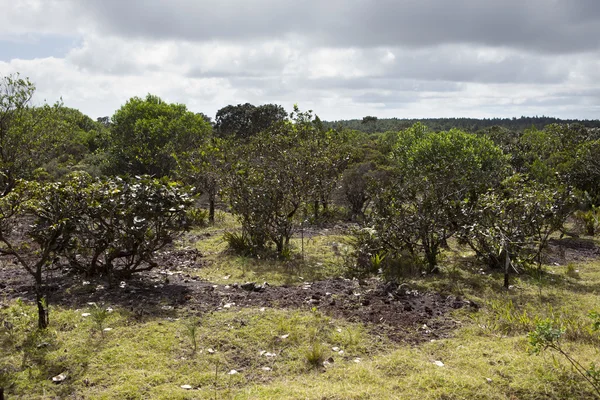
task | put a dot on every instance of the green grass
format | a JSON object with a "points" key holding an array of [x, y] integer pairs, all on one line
{"points": [[152, 359], [487, 358], [323, 258]]}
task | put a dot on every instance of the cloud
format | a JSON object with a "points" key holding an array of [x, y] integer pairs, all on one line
{"points": [[551, 26], [343, 59]]}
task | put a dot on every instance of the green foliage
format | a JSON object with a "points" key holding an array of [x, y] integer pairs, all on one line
{"points": [[124, 222], [246, 120], [435, 175], [238, 243], [275, 174], [517, 216], [147, 134], [355, 184], [315, 354], [53, 138], [585, 170], [548, 336], [471, 125], [589, 220], [203, 168], [99, 315], [197, 217], [191, 331]]}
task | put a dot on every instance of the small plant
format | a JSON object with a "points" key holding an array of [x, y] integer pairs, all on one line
{"points": [[237, 242], [191, 330], [377, 261], [315, 354], [197, 217], [286, 253], [589, 221], [547, 336], [572, 272], [99, 316]]}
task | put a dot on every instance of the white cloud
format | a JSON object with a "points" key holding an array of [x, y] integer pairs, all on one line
{"points": [[466, 62]]}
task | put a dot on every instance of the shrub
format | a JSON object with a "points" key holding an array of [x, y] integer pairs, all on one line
{"points": [[436, 174], [588, 221], [518, 216], [123, 224]]}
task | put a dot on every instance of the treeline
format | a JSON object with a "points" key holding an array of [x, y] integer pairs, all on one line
{"points": [[372, 124], [101, 197]]}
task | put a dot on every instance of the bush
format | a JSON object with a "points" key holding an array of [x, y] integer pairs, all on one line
{"points": [[436, 174], [588, 221], [518, 216], [124, 222]]}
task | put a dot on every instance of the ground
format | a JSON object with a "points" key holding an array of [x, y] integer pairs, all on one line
{"points": [[210, 324]]}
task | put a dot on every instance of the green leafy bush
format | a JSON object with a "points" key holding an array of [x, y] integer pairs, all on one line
{"points": [[518, 216], [124, 222]]}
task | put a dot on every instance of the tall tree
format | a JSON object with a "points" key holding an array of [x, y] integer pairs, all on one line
{"points": [[147, 134], [246, 120]]}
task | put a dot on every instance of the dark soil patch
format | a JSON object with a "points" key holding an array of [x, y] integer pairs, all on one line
{"points": [[571, 249], [397, 312]]}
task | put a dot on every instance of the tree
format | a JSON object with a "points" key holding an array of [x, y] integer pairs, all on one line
{"points": [[36, 224], [246, 120], [436, 174], [585, 170], [515, 219], [40, 142], [272, 177], [16, 139], [146, 134], [203, 169]]}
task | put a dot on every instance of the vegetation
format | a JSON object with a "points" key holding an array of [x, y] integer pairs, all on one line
{"points": [[183, 259]]}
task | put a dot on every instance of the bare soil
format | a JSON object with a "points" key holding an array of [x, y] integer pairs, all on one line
{"points": [[397, 312]]}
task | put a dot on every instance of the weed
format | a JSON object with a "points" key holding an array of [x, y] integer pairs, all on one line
{"points": [[237, 242], [572, 271], [547, 335], [191, 330], [99, 315], [315, 354]]}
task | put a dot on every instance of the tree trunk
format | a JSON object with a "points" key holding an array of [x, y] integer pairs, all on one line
{"points": [[211, 207], [431, 258], [40, 299], [211, 211], [42, 308], [506, 270], [316, 210]]}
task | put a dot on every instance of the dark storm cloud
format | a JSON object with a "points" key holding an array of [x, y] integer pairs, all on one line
{"points": [[550, 26]]}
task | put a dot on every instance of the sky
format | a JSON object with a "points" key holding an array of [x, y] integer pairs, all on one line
{"points": [[342, 59]]}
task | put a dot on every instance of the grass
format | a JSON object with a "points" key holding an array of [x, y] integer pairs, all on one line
{"points": [[323, 258], [279, 354], [152, 359]]}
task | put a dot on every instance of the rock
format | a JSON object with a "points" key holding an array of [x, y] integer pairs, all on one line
{"points": [[438, 363], [59, 378]]}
